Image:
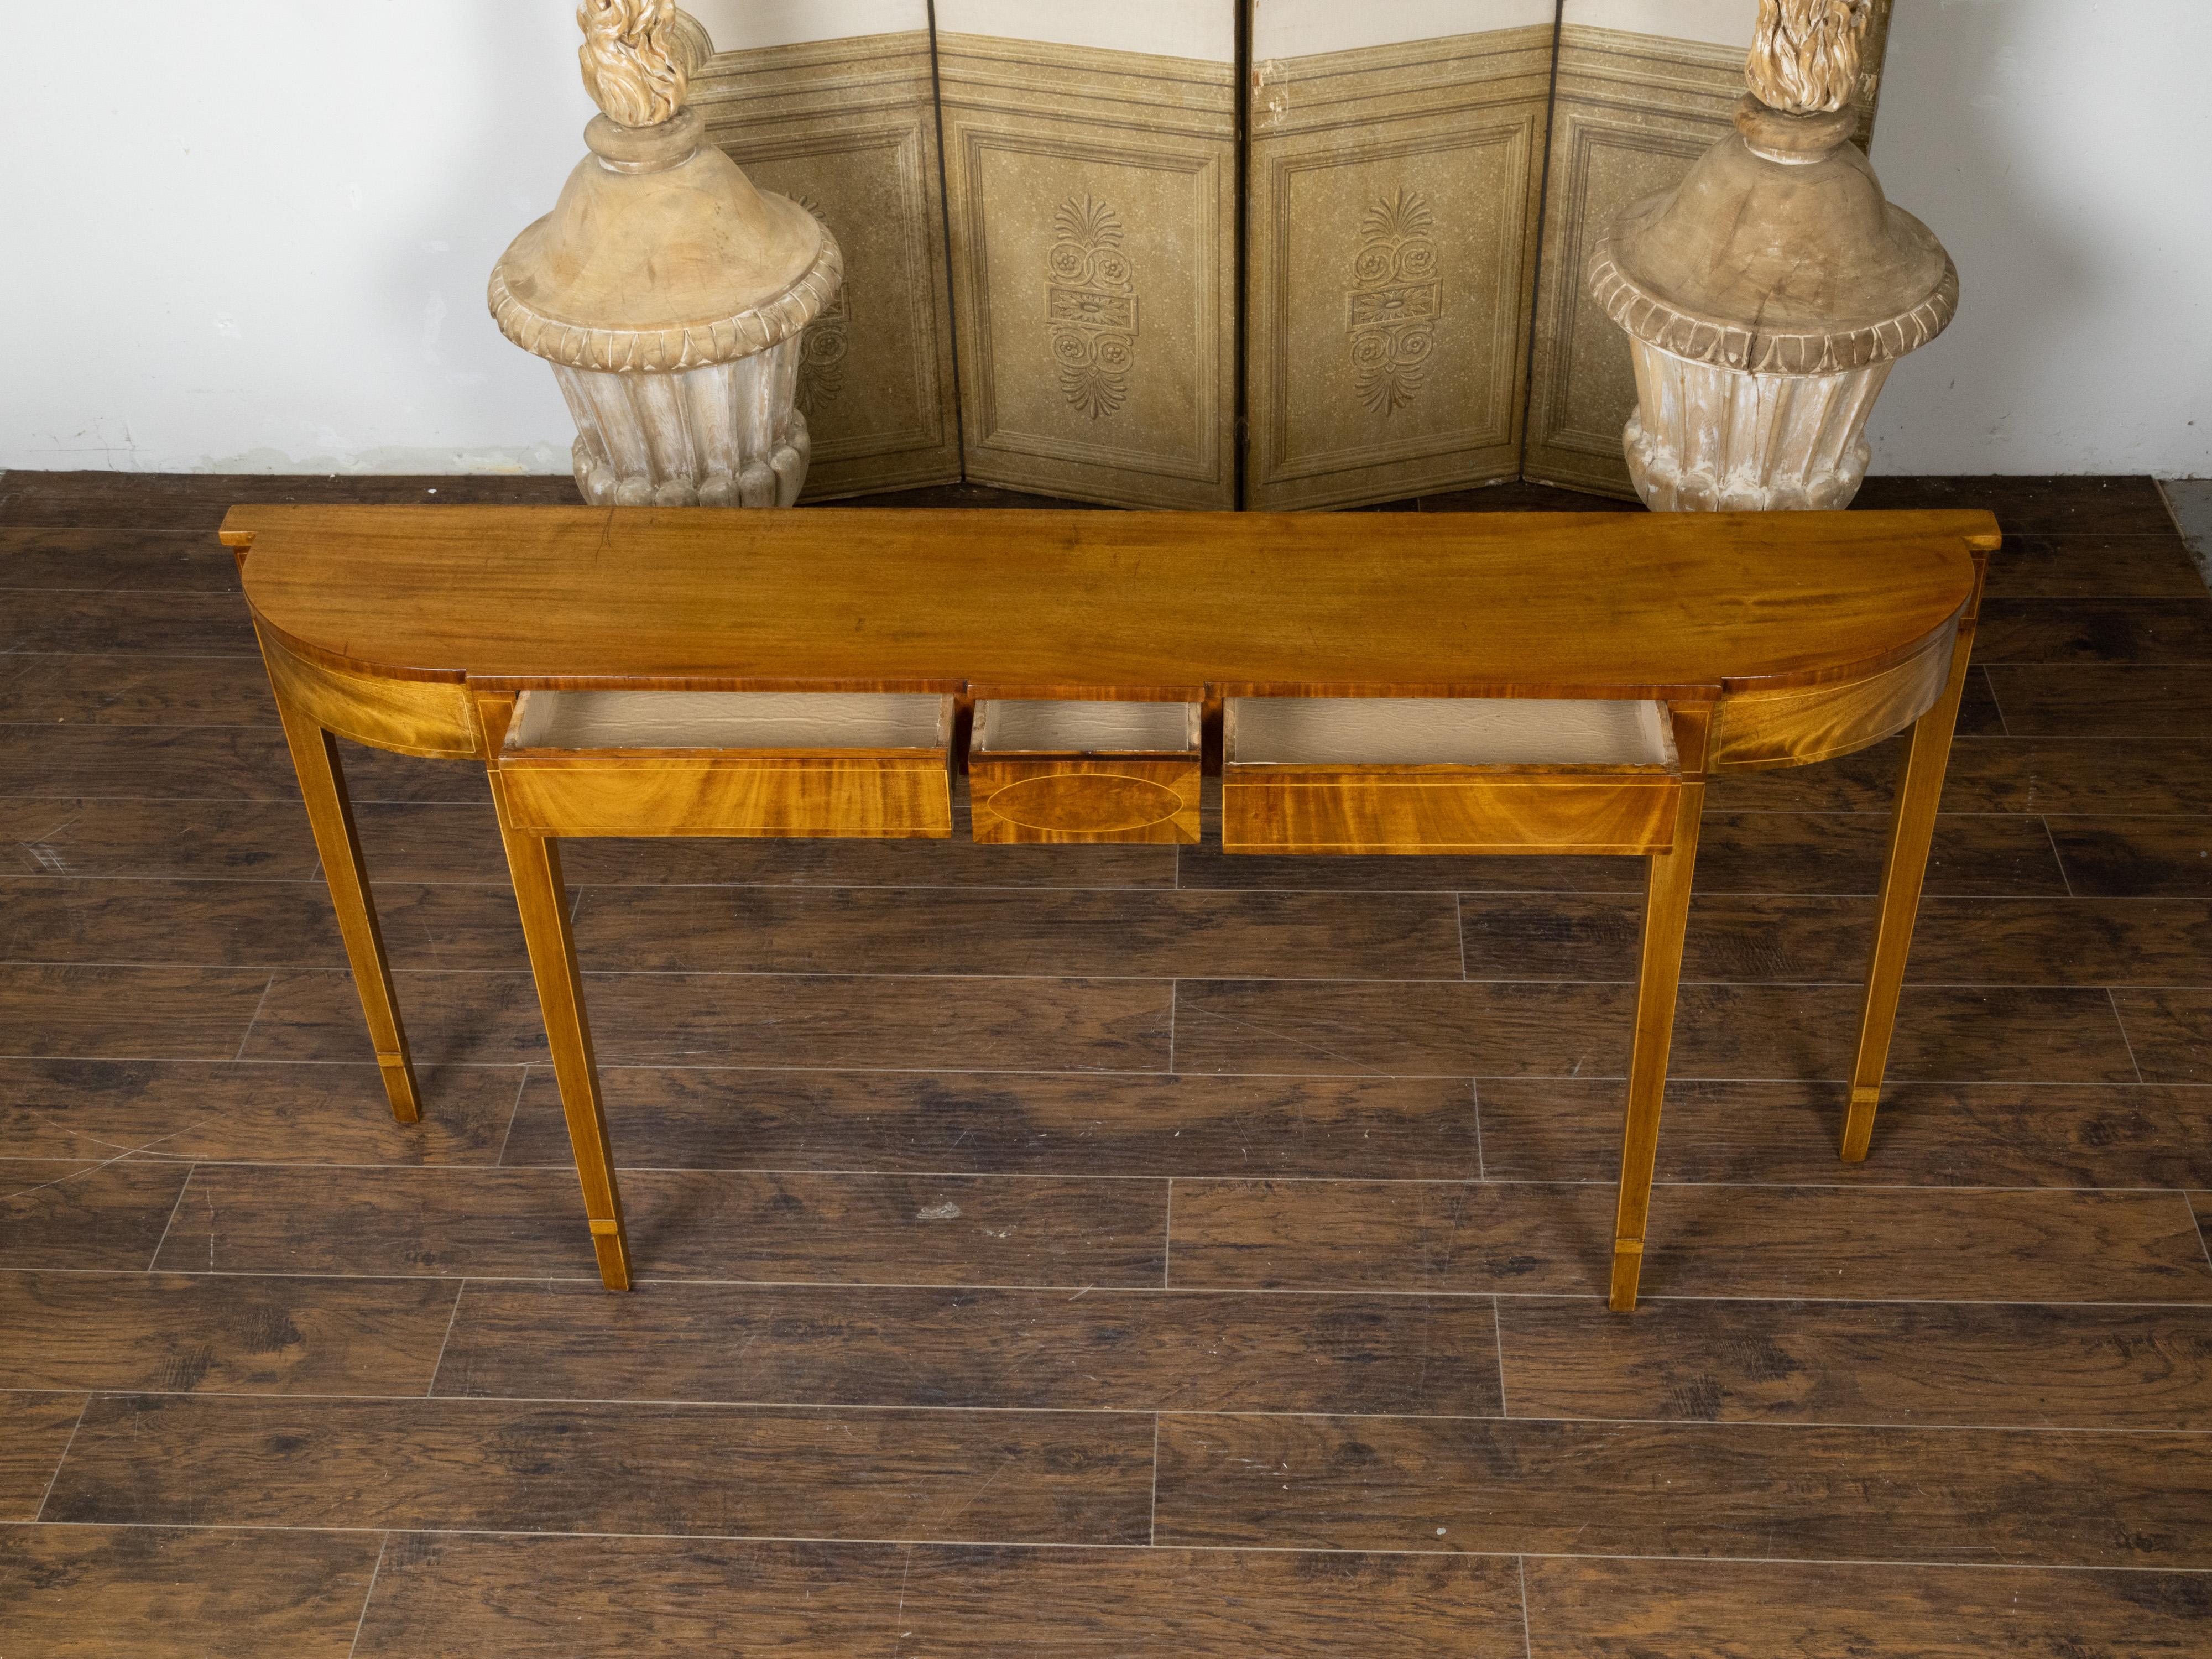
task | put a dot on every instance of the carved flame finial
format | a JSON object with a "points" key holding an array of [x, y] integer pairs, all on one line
{"points": [[1805, 53], [632, 65]]}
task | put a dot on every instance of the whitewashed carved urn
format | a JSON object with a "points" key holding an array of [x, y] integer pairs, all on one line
{"points": [[668, 293], [1767, 297]]}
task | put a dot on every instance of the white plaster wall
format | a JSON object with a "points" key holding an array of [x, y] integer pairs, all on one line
{"points": [[263, 245], [2063, 149], [255, 237]]}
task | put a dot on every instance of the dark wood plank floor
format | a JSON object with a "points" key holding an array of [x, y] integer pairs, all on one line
{"points": [[1098, 1251]]}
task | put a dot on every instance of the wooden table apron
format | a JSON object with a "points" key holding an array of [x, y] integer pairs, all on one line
{"points": [[1771, 639]]}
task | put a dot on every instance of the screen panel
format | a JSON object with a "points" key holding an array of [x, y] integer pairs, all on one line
{"points": [[1395, 174], [1091, 178], [831, 102]]}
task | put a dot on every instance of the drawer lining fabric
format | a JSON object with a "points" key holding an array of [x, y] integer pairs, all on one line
{"points": [[728, 720], [1449, 731], [1025, 726]]}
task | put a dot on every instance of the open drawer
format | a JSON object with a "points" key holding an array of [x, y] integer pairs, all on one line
{"points": [[1078, 771], [768, 764], [1447, 774]]}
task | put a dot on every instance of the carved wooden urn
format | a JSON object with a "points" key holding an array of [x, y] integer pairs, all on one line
{"points": [[1768, 296], [668, 293]]}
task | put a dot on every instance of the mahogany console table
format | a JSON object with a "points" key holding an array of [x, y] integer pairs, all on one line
{"points": [[1362, 682]]}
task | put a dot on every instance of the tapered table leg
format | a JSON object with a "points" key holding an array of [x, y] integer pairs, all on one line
{"points": [[535, 863], [1904, 867], [1658, 978], [330, 815]]}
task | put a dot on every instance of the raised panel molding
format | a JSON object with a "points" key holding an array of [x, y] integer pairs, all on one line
{"points": [[1392, 217], [1091, 197], [850, 128]]}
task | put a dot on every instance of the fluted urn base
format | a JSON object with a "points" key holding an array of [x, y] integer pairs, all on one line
{"points": [[1706, 439], [724, 435]]}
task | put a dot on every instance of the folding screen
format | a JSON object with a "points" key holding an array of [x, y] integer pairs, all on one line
{"points": [[1396, 162], [1058, 210], [830, 101], [1643, 88], [1091, 178]]}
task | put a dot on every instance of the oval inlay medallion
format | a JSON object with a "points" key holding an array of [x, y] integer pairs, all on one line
{"points": [[1093, 801]]}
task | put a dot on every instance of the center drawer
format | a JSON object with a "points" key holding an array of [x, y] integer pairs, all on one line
{"points": [[745, 763], [1447, 774], [1069, 770]]}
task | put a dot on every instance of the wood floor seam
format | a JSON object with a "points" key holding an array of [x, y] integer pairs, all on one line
{"points": [[514, 1111], [168, 1226], [943, 1172], [275, 1063], [1498, 1329], [1420, 1294], [293, 966], [585, 1276], [1015, 1545], [160, 727], [637, 974], [1989, 688], [368, 1595], [1474, 1115], [2052, 836], [39, 1515], [253, 1019], [1152, 1517], [839, 1540], [2121, 1019], [686, 1402], [460, 1290], [1166, 1236]]}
